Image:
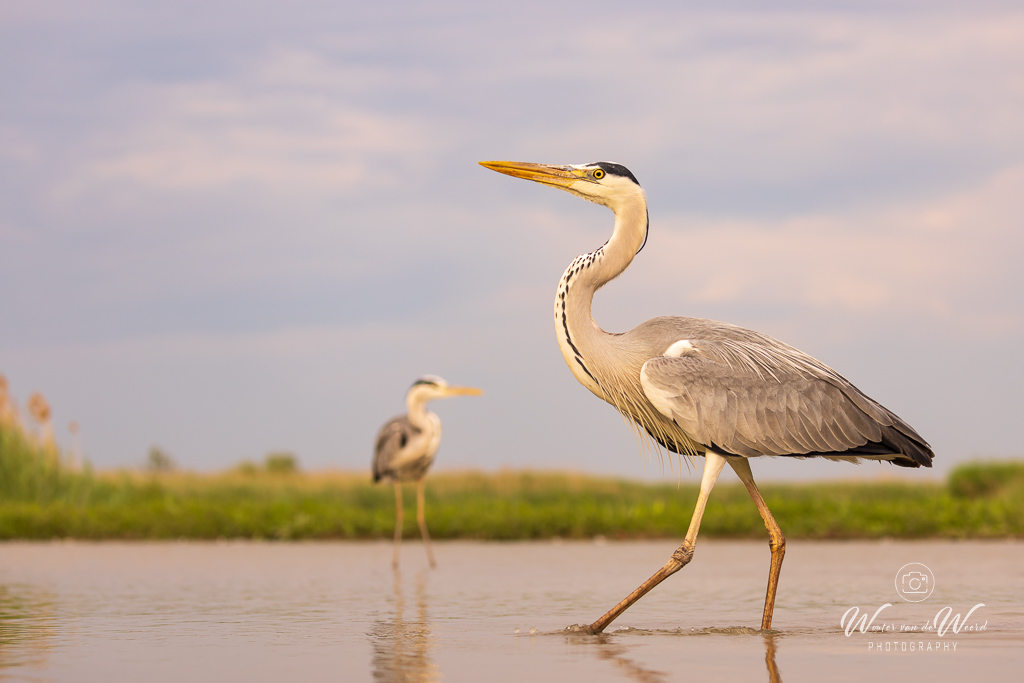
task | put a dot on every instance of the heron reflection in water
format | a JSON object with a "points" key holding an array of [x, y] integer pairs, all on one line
{"points": [[406, 446], [700, 387], [401, 647], [615, 651]]}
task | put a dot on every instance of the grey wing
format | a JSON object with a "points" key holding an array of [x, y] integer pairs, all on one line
{"points": [[391, 439], [747, 398]]}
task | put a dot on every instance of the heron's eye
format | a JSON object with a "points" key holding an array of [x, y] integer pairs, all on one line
{"points": [[598, 174]]}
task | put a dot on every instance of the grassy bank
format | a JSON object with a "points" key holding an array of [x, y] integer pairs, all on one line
{"points": [[40, 499]]}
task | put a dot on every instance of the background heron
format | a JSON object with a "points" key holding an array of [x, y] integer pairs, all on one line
{"points": [[406, 446], [700, 387]]}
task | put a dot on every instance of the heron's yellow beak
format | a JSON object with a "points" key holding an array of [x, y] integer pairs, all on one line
{"points": [[462, 391], [561, 177]]}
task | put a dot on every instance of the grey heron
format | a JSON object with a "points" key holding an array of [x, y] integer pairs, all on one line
{"points": [[704, 388], [406, 446]]}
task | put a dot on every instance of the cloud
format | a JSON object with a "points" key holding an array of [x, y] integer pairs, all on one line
{"points": [[256, 213], [756, 111], [288, 123], [951, 258]]}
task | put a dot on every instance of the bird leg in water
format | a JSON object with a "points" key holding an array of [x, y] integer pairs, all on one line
{"points": [[421, 517], [777, 542], [713, 464], [399, 518]]}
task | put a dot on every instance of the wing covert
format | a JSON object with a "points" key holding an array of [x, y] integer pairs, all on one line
{"points": [[391, 438], [747, 399]]}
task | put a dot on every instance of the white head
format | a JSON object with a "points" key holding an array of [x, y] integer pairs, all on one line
{"points": [[430, 387]]}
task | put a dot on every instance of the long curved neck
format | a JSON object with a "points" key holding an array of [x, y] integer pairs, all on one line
{"points": [[416, 409], [580, 338]]}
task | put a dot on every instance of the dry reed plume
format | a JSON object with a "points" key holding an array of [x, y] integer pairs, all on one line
{"points": [[8, 410], [39, 409], [76, 445], [40, 414]]}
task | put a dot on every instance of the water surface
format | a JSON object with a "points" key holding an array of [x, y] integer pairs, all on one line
{"points": [[240, 611]]}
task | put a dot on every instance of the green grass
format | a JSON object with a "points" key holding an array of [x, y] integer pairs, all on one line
{"points": [[41, 499], [29, 473]]}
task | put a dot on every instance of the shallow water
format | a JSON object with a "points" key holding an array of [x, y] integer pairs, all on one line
{"points": [[496, 611]]}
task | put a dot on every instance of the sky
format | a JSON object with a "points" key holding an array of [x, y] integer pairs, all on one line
{"points": [[233, 228]]}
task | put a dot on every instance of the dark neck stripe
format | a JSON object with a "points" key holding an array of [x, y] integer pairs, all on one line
{"points": [[565, 328], [647, 231]]}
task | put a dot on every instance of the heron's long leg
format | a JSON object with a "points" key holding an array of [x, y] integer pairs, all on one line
{"points": [[713, 463], [421, 517], [777, 542], [399, 518]]}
